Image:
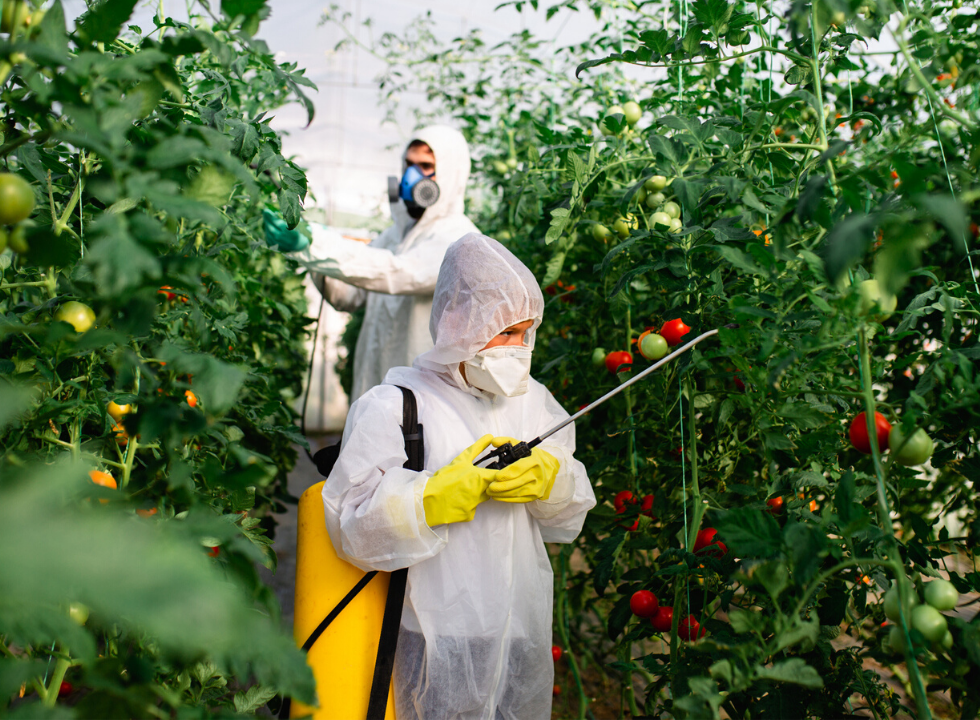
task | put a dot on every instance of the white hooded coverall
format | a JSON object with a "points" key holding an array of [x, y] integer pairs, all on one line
{"points": [[396, 274], [476, 634]]}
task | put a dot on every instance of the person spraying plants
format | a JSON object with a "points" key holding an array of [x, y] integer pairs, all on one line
{"points": [[476, 629], [392, 278]]}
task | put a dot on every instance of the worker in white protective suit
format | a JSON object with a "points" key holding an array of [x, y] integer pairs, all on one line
{"points": [[476, 633], [395, 275]]}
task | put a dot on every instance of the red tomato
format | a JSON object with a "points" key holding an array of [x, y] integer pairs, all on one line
{"points": [[673, 331], [622, 498], [644, 604], [664, 619], [859, 433], [706, 540], [617, 358], [690, 629], [646, 507], [556, 690], [214, 551], [65, 689], [776, 505], [555, 653]]}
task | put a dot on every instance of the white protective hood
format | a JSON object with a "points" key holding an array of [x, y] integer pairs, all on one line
{"points": [[395, 275], [476, 635], [482, 289]]}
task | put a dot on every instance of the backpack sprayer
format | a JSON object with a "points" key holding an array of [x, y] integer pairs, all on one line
{"points": [[508, 453]]}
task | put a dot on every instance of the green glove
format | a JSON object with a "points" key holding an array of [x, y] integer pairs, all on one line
{"points": [[528, 479], [277, 233], [454, 492]]}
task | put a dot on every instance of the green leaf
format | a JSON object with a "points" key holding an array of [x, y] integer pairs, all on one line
{"points": [[15, 401], [216, 382], [749, 532], [798, 75], [793, 670], [252, 699], [847, 243], [103, 21], [739, 259], [605, 560], [234, 8], [807, 549], [554, 267]]}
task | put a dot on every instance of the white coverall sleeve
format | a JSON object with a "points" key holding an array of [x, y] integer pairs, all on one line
{"points": [[374, 268], [562, 515], [340, 295], [373, 506]]}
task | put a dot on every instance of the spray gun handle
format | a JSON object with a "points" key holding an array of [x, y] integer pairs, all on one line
{"points": [[508, 454]]}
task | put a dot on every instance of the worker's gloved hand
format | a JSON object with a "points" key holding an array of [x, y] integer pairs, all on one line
{"points": [[454, 492], [277, 233], [528, 479]]}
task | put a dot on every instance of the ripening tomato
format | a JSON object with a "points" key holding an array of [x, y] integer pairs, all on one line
{"points": [[673, 331], [706, 540], [146, 513], [214, 551], [690, 629], [555, 653], [191, 398], [858, 433], [644, 604], [117, 411], [664, 619], [776, 505], [102, 478], [618, 358]]}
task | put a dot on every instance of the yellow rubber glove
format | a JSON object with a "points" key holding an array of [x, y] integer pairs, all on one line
{"points": [[528, 479], [454, 492]]}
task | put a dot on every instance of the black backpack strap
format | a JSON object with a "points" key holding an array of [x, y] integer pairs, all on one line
{"points": [[388, 642]]}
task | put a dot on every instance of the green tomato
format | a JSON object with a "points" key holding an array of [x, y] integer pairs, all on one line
{"points": [[941, 594], [18, 240], [601, 232], [896, 640], [653, 346], [79, 315], [673, 209], [891, 604], [3, 239], [912, 451], [622, 226], [655, 183], [16, 197], [633, 112], [504, 236], [871, 295], [676, 225], [661, 218], [655, 200], [78, 613], [598, 357], [511, 162], [947, 642], [929, 622], [500, 166], [640, 195]]}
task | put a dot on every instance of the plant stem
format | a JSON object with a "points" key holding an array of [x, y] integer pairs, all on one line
{"points": [[60, 668], [905, 589]]}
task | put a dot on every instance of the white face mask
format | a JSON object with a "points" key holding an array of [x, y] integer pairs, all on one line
{"points": [[501, 370]]}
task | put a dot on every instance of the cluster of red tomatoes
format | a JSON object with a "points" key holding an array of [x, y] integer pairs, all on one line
{"points": [[644, 604], [652, 345]]}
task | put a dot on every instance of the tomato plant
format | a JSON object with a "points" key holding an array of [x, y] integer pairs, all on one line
{"points": [[137, 159]]}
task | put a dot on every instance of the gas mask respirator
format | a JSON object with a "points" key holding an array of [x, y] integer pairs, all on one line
{"points": [[501, 370], [416, 189]]}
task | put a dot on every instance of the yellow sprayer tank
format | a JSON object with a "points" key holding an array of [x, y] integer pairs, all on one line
{"points": [[343, 657]]}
